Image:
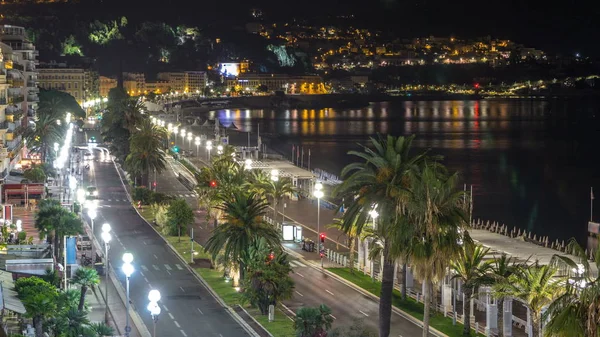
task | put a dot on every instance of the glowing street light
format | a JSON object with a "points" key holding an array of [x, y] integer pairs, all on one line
{"points": [[220, 149], [127, 269], [318, 193]]}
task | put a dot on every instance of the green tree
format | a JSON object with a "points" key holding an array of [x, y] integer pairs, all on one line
{"points": [[436, 208], [473, 270], [35, 175], [39, 298], [146, 155], [577, 311], [180, 215], [46, 132], [381, 178], [85, 277], [502, 268], [52, 217], [278, 189], [102, 329], [243, 226], [313, 322], [114, 127], [536, 287], [267, 280]]}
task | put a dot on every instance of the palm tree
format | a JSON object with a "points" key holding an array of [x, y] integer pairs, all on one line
{"points": [[577, 311], [536, 287], [146, 155], [57, 219], [381, 178], [353, 232], [471, 268], [277, 190], [45, 132], [244, 225], [39, 307], [132, 113], [436, 208], [85, 277], [76, 323], [102, 329], [502, 268], [313, 322]]}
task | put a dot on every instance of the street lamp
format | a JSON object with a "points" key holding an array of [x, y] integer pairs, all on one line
{"points": [[92, 214], [182, 133], [374, 214], [318, 193], [190, 137], [106, 237], [208, 148], [274, 178], [81, 197], [153, 307], [197, 146], [248, 164], [220, 149], [127, 270], [56, 149]]}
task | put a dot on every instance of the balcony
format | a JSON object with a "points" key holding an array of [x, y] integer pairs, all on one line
{"points": [[16, 99], [3, 101], [33, 98]]}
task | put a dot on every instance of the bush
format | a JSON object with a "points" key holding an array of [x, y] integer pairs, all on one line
{"points": [[22, 236], [148, 197]]}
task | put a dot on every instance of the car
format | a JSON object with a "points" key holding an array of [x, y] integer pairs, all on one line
{"points": [[92, 139], [84, 242], [88, 156], [92, 192]]}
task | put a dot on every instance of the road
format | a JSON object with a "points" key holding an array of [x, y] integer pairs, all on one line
{"points": [[313, 287], [188, 308]]}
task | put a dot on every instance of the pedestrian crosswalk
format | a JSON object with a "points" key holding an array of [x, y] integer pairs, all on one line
{"points": [[164, 267], [296, 264], [189, 195]]}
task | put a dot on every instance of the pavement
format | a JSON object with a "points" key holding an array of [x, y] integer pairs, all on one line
{"points": [[188, 307]]}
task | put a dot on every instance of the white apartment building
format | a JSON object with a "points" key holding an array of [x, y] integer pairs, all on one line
{"points": [[18, 94]]}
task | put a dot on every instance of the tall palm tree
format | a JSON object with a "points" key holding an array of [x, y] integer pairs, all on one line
{"points": [[132, 110], [577, 311], [146, 155], [352, 232], [45, 132], [501, 269], [278, 189], [40, 307], [536, 287], [55, 218], [473, 270], [85, 277], [243, 226], [381, 177], [436, 209]]}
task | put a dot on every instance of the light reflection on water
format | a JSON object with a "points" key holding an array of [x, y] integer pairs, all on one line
{"points": [[528, 167]]}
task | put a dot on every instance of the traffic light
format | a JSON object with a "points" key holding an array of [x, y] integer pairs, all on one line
{"points": [[476, 85], [154, 184], [322, 236], [271, 256], [213, 184]]}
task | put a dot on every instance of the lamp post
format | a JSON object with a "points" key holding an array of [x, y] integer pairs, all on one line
{"points": [[106, 237], [318, 193], [175, 133], [220, 149], [182, 133], [127, 270], [59, 166], [154, 308], [56, 149], [374, 214], [190, 137], [208, 148], [274, 179], [197, 142], [92, 214], [248, 164]]}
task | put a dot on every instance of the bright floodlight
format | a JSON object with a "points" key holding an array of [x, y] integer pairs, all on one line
{"points": [[106, 237], [154, 295], [154, 308], [248, 162], [92, 213], [274, 172], [209, 143], [220, 148], [374, 214], [182, 132], [106, 227], [128, 269], [81, 196], [318, 194], [197, 141], [190, 136], [175, 128], [127, 258], [56, 146], [197, 138], [318, 186]]}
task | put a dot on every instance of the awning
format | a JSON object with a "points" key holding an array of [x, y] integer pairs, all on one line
{"points": [[9, 297]]}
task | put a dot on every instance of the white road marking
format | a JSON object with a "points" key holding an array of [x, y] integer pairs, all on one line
{"points": [[362, 312], [156, 257], [329, 292], [179, 267], [299, 293], [146, 280], [168, 267], [168, 272], [144, 242], [177, 324], [201, 313], [144, 268], [155, 267], [184, 334], [171, 315], [181, 289], [166, 309], [332, 316], [299, 274]]}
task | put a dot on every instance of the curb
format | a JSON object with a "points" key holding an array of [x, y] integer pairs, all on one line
{"points": [[399, 312], [255, 321], [230, 310]]}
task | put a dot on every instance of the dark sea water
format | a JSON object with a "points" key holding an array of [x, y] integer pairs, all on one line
{"points": [[531, 162]]}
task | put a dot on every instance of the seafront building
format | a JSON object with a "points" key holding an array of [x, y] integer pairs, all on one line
{"points": [[78, 82], [18, 95], [180, 82], [251, 83]]}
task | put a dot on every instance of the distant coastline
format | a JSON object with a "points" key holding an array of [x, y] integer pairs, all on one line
{"points": [[354, 101]]}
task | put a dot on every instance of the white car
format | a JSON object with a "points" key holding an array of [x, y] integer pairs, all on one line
{"points": [[92, 192]]}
